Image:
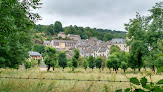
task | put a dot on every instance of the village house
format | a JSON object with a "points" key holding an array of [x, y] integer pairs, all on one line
{"points": [[61, 34], [63, 44], [73, 37], [92, 41], [35, 55], [47, 43], [120, 43], [102, 52]]}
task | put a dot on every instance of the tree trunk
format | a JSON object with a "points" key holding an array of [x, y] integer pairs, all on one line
{"points": [[139, 69], [124, 70], [153, 68], [48, 67], [53, 68], [63, 68]]}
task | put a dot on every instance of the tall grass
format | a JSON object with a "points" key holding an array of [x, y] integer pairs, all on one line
{"points": [[39, 85]]}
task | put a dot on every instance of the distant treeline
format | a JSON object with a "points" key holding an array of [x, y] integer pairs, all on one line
{"points": [[84, 32]]}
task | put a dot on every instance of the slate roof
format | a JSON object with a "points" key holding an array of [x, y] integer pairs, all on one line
{"points": [[33, 53], [117, 41], [102, 49]]}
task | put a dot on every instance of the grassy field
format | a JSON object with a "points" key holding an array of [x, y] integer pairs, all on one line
{"points": [[39, 85]]}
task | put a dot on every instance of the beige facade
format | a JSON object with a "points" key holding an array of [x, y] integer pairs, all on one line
{"points": [[120, 43], [123, 47], [63, 44]]}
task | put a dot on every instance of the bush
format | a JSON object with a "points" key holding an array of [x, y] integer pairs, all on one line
{"points": [[27, 64], [33, 62], [39, 61]]}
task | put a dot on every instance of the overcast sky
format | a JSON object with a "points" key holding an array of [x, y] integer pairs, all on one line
{"points": [[106, 14]]}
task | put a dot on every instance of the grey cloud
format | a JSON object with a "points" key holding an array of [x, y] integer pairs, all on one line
{"points": [[95, 13]]}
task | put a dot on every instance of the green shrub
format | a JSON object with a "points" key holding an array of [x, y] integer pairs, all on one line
{"points": [[39, 61], [27, 64], [33, 62]]}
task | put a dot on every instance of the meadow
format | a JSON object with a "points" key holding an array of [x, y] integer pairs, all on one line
{"points": [[40, 85]]}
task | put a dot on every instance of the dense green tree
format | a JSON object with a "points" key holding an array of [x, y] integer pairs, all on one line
{"points": [[16, 22], [98, 62], [50, 57], [62, 60], [114, 62], [159, 62], [147, 29], [75, 59], [58, 27], [85, 64], [39, 48], [107, 37], [47, 61], [114, 49], [124, 66], [70, 30], [69, 64], [137, 52], [91, 62], [50, 30], [108, 64], [74, 63], [76, 54]]}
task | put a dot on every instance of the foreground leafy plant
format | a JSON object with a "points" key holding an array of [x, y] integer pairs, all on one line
{"points": [[152, 87]]}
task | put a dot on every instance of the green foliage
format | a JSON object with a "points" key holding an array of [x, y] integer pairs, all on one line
{"points": [[85, 33], [114, 61], [58, 27], [124, 65], [108, 64], [147, 30], [39, 48], [74, 63], [49, 30], [134, 80], [62, 60], [152, 87], [50, 57], [33, 62], [91, 62], [39, 61], [114, 49], [16, 51], [76, 54], [75, 59], [27, 64], [50, 51], [159, 70], [98, 62], [16, 22], [69, 64], [137, 51], [47, 61], [107, 37], [85, 64], [159, 62]]}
